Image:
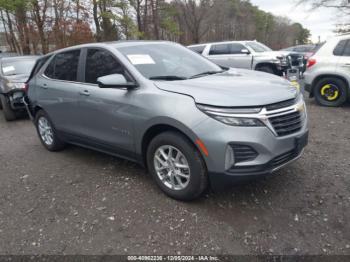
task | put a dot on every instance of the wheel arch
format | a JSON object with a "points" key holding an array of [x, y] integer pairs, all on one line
{"points": [[261, 64], [157, 128]]}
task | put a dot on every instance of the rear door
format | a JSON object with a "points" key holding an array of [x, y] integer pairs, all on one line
{"points": [[58, 90], [230, 55]]}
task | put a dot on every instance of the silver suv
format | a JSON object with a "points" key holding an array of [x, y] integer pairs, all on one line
{"points": [[327, 76], [244, 54], [159, 104]]}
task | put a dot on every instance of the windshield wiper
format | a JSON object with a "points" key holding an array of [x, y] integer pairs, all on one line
{"points": [[168, 78], [207, 73]]}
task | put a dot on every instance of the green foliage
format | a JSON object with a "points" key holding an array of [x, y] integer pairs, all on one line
{"points": [[168, 23]]}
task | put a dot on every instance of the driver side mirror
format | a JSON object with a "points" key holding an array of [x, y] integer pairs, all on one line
{"points": [[245, 51], [115, 81]]}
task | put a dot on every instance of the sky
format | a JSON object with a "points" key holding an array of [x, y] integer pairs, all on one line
{"points": [[320, 22]]}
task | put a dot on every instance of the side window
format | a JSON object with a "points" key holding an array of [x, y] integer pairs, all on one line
{"points": [[198, 49], [338, 50], [99, 63], [221, 49], [64, 66], [236, 49], [346, 51]]}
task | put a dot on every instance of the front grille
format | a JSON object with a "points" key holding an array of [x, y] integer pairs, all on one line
{"points": [[280, 105], [287, 124], [244, 153]]}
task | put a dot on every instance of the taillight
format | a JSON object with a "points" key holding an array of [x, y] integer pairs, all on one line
{"points": [[26, 87], [311, 62]]}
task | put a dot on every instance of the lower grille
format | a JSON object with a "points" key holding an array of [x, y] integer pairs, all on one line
{"points": [[284, 158], [244, 153], [287, 124]]}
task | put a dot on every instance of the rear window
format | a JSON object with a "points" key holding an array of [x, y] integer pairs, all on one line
{"points": [[198, 49], [19, 67]]}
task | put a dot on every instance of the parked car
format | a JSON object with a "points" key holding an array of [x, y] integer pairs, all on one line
{"points": [[244, 54], [191, 123], [13, 75], [302, 52], [306, 50], [8, 54], [327, 77]]}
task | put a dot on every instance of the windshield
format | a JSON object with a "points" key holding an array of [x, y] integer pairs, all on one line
{"points": [[166, 61], [258, 47], [18, 67]]}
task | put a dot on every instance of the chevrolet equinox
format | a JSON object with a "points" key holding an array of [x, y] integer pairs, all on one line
{"points": [[190, 122]]}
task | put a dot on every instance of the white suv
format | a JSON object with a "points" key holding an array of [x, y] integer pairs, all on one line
{"points": [[327, 76], [244, 54]]}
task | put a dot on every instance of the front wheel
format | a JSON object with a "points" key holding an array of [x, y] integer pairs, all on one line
{"points": [[47, 133], [331, 92], [177, 166]]}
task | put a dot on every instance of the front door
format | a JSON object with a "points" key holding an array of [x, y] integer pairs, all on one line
{"points": [[105, 111]]}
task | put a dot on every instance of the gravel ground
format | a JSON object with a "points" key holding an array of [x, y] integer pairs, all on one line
{"points": [[81, 202]]}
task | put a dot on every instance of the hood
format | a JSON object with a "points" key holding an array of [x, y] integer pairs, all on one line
{"points": [[234, 88], [18, 78], [273, 54]]}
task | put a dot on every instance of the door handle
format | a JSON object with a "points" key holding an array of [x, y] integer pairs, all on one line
{"points": [[84, 93], [346, 65], [44, 86]]}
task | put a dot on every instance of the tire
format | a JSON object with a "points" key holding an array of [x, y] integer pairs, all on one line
{"points": [[9, 114], [266, 69], [331, 92], [54, 143], [196, 184]]}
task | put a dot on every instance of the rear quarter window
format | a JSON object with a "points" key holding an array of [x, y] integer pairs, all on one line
{"points": [[198, 49], [339, 49]]}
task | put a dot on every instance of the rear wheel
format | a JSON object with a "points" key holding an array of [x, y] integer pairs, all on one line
{"points": [[177, 166], [331, 92], [47, 133], [9, 114]]}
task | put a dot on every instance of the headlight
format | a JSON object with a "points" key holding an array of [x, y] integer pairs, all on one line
{"points": [[232, 116], [238, 121]]}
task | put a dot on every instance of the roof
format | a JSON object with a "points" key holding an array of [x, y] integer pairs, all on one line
{"points": [[116, 44], [224, 42]]}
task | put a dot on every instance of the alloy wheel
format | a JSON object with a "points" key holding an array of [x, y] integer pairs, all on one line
{"points": [[172, 167], [45, 131]]}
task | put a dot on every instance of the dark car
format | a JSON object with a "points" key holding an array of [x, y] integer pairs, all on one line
{"points": [[14, 72], [306, 50]]}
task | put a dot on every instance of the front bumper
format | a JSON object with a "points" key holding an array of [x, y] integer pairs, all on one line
{"points": [[273, 152]]}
